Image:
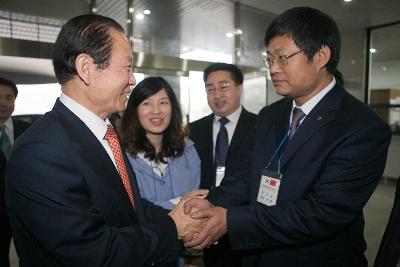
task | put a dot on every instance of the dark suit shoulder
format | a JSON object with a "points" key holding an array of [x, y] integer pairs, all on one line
{"points": [[201, 122], [276, 110], [21, 124], [248, 115], [360, 112], [197, 128], [20, 127]]}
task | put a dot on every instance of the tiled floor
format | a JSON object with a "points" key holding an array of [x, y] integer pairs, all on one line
{"points": [[376, 213]]}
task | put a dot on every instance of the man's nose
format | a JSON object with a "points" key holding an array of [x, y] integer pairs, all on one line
{"points": [[132, 80]]}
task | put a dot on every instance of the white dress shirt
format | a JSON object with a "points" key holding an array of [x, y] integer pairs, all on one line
{"points": [[95, 124], [308, 106], [230, 126], [9, 128]]}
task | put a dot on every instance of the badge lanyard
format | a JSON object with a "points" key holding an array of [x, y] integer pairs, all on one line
{"points": [[277, 150], [271, 180], [284, 139]]}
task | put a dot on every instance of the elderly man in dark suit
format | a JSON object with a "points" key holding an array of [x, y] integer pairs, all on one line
{"points": [[10, 130], [71, 196], [317, 157], [222, 139]]}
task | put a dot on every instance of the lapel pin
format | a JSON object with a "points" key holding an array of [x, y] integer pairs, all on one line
{"points": [[320, 117]]}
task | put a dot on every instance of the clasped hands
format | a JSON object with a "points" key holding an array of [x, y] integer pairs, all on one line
{"points": [[199, 223]]}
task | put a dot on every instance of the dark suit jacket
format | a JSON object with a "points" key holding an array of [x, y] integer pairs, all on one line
{"points": [[389, 250], [68, 206], [330, 169], [19, 128], [202, 136], [201, 132]]}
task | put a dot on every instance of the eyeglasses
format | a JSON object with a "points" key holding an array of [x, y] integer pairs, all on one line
{"points": [[280, 60], [222, 87]]}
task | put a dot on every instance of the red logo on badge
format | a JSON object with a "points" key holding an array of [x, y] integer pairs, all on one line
{"points": [[272, 182]]}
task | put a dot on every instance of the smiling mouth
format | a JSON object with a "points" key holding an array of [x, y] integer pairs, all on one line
{"points": [[157, 121], [219, 104]]}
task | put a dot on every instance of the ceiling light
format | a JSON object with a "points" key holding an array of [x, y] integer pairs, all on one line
{"points": [[140, 16], [94, 9], [229, 34], [128, 21], [347, 0], [373, 50], [238, 31], [384, 68], [146, 12], [131, 9]]}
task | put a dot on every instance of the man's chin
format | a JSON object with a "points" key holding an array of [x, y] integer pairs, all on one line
{"points": [[282, 91]]}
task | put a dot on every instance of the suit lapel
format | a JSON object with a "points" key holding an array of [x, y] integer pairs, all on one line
{"points": [[94, 154], [139, 209], [322, 114], [208, 132], [240, 130], [282, 126]]}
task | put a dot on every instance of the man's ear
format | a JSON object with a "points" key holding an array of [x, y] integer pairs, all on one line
{"points": [[323, 56], [83, 67], [241, 89]]}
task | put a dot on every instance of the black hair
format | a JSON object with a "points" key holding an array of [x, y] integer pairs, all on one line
{"points": [[88, 34], [133, 135], [235, 72], [310, 30], [11, 84]]}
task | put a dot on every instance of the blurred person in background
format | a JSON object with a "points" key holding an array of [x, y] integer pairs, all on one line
{"points": [[10, 129]]}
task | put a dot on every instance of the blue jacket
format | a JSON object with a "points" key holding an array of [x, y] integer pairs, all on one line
{"points": [[181, 176]]}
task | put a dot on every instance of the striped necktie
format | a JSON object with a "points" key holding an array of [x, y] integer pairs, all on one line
{"points": [[298, 115]]}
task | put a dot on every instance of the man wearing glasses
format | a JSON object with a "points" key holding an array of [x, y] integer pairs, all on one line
{"points": [[222, 138], [317, 157]]}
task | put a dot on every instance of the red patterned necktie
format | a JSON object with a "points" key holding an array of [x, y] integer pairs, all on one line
{"points": [[112, 139]]}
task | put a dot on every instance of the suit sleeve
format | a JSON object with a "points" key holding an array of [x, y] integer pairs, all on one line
{"points": [[51, 204], [346, 181]]}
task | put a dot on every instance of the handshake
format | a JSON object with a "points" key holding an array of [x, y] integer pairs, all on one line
{"points": [[199, 223]]}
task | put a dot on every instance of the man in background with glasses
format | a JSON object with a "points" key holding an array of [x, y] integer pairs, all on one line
{"points": [[317, 157], [221, 139]]}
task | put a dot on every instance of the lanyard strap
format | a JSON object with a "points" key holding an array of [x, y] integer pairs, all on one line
{"points": [[277, 150]]}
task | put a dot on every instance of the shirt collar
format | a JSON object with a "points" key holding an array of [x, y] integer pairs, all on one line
{"points": [[233, 117], [9, 123], [92, 121], [311, 103]]}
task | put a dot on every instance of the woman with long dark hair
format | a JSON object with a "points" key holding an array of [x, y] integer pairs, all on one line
{"points": [[165, 161]]}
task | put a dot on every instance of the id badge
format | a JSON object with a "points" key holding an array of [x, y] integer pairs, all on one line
{"points": [[219, 175], [269, 187]]}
